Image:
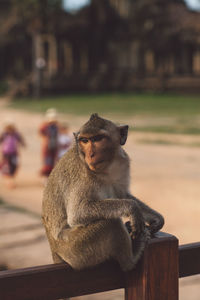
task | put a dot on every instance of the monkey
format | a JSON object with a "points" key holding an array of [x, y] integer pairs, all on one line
{"points": [[87, 197]]}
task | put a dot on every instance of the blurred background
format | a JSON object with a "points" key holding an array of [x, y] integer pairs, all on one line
{"points": [[136, 62]]}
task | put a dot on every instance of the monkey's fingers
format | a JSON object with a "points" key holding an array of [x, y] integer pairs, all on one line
{"points": [[133, 235], [137, 235], [128, 226], [156, 224], [141, 240], [137, 223]]}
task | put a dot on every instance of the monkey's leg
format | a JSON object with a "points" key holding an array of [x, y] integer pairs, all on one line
{"points": [[87, 246], [56, 258], [122, 246], [128, 256]]}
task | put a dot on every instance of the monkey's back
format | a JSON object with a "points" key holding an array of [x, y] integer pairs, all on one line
{"points": [[64, 174]]}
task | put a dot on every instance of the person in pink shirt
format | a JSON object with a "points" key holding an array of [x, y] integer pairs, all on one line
{"points": [[10, 141]]}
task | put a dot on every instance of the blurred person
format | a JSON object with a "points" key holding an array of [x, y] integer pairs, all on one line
{"points": [[10, 140], [49, 133], [64, 139]]}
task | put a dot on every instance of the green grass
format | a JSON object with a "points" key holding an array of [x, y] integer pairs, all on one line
{"points": [[118, 103], [176, 129], [183, 111]]}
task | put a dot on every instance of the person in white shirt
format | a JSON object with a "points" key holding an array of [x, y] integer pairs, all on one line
{"points": [[64, 139]]}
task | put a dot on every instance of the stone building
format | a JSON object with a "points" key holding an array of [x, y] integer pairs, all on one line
{"points": [[107, 45], [174, 64]]}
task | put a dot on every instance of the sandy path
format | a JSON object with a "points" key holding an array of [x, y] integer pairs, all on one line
{"points": [[167, 177]]}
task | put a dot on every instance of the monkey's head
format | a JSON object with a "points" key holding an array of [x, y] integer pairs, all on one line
{"points": [[98, 141]]}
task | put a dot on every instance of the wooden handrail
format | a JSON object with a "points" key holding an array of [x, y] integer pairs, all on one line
{"points": [[189, 259], [58, 280], [157, 272]]}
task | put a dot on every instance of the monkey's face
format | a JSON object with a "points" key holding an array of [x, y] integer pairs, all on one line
{"points": [[98, 141], [97, 150]]}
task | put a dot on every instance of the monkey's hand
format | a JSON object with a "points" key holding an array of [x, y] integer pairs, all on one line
{"points": [[152, 218], [131, 230], [137, 224], [155, 222]]}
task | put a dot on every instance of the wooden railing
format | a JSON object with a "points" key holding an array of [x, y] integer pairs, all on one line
{"points": [[154, 278]]}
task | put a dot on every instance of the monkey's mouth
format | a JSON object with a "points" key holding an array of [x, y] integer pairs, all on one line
{"points": [[96, 165]]}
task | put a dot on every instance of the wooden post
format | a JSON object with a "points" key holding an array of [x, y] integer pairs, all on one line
{"points": [[156, 276]]}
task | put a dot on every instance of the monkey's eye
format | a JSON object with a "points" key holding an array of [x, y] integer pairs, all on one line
{"points": [[97, 138], [83, 140]]}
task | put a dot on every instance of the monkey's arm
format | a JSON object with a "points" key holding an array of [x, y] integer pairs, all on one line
{"points": [[154, 219], [90, 211]]}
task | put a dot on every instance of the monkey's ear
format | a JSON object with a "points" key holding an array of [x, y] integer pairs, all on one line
{"points": [[76, 135], [123, 134], [94, 116]]}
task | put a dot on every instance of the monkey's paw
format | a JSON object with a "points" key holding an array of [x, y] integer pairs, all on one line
{"points": [[145, 233], [156, 224]]}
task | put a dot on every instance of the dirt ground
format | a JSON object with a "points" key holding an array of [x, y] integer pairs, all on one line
{"points": [[167, 177]]}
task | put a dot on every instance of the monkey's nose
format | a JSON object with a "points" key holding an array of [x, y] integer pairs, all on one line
{"points": [[92, 154]]}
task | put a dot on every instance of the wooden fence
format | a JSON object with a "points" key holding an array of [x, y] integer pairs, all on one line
{"points": [[154, 278]]}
